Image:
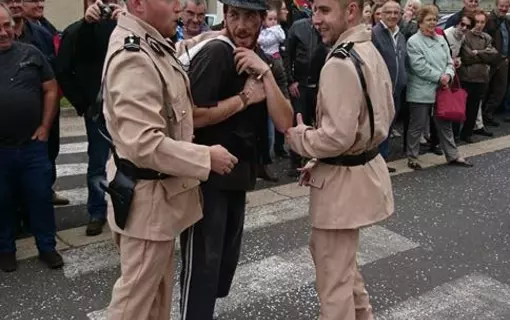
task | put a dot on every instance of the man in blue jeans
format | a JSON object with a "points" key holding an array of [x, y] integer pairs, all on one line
{"points": [[28, 92], [79, 74]]}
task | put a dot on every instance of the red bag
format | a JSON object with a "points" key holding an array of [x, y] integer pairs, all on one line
{"points": [[451, 103]]}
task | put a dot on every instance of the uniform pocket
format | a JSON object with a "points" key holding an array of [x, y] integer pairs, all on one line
{"points": [[176, 114], [316, 180]]}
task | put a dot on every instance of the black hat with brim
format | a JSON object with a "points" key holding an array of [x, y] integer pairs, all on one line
{"points": [[256, 5]]}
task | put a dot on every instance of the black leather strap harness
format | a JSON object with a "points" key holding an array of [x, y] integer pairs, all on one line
{"points": [[344, 51]]}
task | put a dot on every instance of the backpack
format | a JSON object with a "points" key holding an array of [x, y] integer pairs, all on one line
{"points": [[66, 72]]}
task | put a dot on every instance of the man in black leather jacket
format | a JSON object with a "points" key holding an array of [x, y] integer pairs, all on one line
{"points": [[79, 73], [303, 42]]}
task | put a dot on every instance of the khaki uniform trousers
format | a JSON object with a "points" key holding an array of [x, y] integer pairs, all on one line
{"points": [[144, 289], [342, 293]]}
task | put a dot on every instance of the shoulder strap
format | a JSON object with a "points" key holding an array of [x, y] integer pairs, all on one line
{"points": [[132, 43], [186, 58], [346, 50]]}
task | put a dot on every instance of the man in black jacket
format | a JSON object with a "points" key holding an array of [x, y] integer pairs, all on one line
{"points": [[303, 40], [80, 73]]}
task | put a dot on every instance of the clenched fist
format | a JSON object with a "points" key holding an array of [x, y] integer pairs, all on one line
{"points": [[222, 161]]}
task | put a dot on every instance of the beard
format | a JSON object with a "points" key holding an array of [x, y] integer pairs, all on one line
{"points": [[252, 45]]}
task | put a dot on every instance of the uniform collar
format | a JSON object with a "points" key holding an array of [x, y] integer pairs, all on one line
{"points": [[359, 33], [144, 30]]}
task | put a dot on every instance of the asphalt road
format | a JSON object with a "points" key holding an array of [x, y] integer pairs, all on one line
{"points": [[444, 255]]}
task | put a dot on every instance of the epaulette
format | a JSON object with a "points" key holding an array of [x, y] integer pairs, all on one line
{"points": [[132, 43], [343, 51]]}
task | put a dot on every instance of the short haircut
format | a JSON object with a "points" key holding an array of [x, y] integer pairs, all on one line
{"points": [[470, 16], [8, 11], [478, 12], [426, 10], [196, 2], [418, 2], [497, 2]]}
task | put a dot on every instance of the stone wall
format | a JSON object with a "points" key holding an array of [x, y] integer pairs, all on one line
{"points": [[63, 12]]}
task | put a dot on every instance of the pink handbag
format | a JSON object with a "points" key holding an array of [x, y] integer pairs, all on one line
{"points": [[451, 103]]}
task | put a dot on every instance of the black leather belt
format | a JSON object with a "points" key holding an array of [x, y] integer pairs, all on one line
{"points": [[352, 160], [132, 171]]}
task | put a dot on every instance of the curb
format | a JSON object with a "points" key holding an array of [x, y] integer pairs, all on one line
{"points": [[68, 112]]}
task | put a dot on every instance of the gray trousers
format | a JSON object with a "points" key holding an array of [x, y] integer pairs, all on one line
{"points": [[419, 114]]}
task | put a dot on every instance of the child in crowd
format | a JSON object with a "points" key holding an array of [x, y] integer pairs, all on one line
{"points": [[272, 35]]}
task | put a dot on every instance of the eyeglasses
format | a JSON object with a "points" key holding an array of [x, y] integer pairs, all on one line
{"points": [[396, 13], [464, 25]]}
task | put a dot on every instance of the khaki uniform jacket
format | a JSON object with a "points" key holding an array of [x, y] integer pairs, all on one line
{"points": [[349, 197], [150, 122]]}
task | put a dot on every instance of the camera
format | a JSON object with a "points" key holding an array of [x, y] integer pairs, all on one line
{"points": [[106, 11]]}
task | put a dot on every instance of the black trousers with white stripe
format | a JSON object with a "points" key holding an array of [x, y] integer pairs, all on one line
{"points": [[210, 251]]}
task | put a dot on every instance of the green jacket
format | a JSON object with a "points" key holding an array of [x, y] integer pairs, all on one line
{"points": [[429, 59]]}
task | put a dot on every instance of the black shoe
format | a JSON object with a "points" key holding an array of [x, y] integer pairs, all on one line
{"points": [[281, 154], [265, 173], [507, 119], [52, 259], [460, 163], [467, 139], [483, 132], [436, 150], [412, 164], [392, 170], [8, 262], [95, 227], [490, 123]]}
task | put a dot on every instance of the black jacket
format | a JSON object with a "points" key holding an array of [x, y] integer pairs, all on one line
{"points": [[40, 38], [394, 55], [302, 42], [81, 59]]}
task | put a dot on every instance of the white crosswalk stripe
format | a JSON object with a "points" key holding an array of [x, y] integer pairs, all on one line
{"points": [[71, 169], [69, 148], [471, 297]]}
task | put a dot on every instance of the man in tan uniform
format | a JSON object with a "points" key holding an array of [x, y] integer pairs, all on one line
{"points": [[350, 184], [148, 112]]}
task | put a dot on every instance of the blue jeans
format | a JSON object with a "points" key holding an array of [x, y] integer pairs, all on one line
{"points": [[98, 151], [25, 174]]}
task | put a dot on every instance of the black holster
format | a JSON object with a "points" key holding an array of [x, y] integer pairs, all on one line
{"points": [[121, 190]]}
